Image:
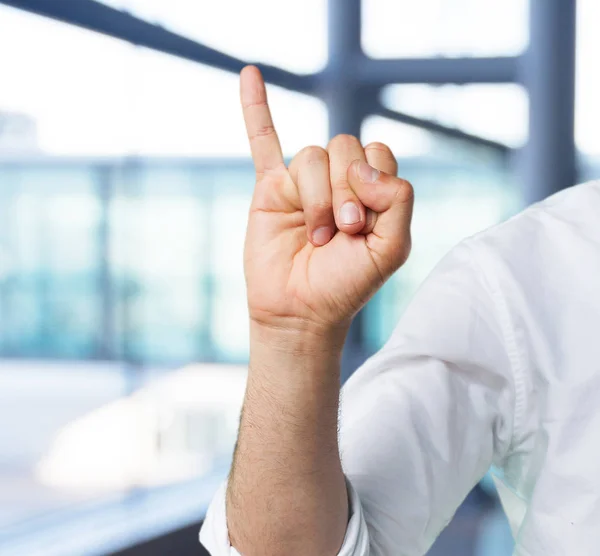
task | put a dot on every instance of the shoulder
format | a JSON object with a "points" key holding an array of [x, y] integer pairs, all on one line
{"points": [[577, 205], [544, 234]]}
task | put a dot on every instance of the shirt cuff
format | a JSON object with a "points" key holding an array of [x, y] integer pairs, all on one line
{"points": [[215, 537]]}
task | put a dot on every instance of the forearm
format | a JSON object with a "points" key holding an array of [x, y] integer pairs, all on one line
{"points": [[287, 493]]}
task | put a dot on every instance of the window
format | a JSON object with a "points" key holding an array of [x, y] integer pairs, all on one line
{"points": [[51, 252], [588, 85], [405, 29], [289, 36], [106, 97], [125, 184], [497, 112]]}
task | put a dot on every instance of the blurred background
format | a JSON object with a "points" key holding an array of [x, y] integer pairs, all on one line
{"points": [[125, 181]]}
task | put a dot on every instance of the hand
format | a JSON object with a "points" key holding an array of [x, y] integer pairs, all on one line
{"points": [[324, 234]]}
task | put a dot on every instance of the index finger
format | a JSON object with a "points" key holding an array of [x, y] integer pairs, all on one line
{"points": [[264, 143]]}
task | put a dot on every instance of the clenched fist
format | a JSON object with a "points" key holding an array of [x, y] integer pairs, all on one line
{"points": [[326, 232]]}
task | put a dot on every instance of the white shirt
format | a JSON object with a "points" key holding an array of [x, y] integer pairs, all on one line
{"points": [[496, 362]]}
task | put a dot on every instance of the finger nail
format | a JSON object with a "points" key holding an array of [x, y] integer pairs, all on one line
{"points": [[321, 235], [367, 173], [349, 214]]}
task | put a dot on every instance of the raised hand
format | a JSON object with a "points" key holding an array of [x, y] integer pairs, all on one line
{"points": [[324, 234]]}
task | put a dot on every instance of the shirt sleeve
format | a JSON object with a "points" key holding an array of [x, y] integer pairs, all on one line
{"points": [[421, 421], [215, 537]]}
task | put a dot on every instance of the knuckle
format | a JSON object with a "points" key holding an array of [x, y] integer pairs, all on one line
{"points": [[380, 147], [405, 250], [314, 155], [342, 186], [320, 208], [255, 104], [405, 192], [381, 157], [263, 131], [343, 141]]}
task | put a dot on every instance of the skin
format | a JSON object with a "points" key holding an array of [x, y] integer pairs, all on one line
{"points": [[310, 265]]}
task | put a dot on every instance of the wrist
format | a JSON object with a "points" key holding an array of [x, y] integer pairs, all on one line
{"points": [[293, 372], [302, 339]]}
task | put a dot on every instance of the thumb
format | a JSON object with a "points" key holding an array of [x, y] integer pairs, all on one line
{"points": [[391, 200]]}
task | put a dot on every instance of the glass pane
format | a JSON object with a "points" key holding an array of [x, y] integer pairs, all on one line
{"points": [[587, 110], [51, 253], [261, 30], [70, 90], [405, 29], [181, 108], [496, 112], [107, 97], [159, 235], [232, 195]]}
